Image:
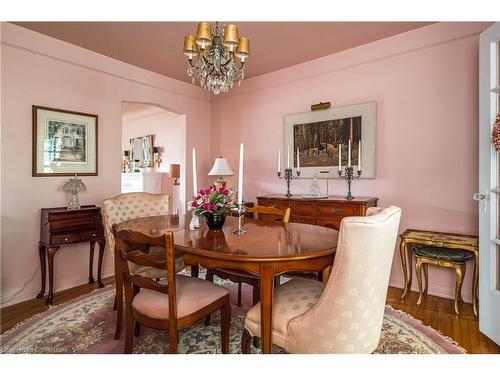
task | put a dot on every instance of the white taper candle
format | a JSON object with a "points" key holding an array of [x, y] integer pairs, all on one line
{"points": [[288, 157], [195, 180], [298, 160], [359, 156], [340, 156], [240, 176], [349, 154]]}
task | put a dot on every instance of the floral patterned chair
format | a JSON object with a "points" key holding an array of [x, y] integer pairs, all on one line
{"points": [[126, 207], [346, 314]]}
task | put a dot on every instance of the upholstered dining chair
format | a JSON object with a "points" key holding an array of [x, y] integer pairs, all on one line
{"points": [[172, 304], [240, 277], [132, 206], [346, 314]]}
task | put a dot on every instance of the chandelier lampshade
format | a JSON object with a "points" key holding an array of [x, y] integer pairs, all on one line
{"points": [[217, 48], [190, 47], [231, 36], [204, 34], [243, 50]]}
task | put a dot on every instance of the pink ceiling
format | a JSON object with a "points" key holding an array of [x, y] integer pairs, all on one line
{"points": [[157, 46]]}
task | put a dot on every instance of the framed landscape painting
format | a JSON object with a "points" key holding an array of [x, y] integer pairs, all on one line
{"points": [[319, 134], [64, 143]]}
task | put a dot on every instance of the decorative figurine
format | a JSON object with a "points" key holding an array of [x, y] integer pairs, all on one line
{"points": [[74, 186], [156, 157]]}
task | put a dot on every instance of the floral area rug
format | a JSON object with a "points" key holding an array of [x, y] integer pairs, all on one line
{"points": [[86, 325]]}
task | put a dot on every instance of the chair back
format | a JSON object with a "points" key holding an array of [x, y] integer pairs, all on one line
{"points": [[131, 206], [348, 316], [131, 248], [264, 210]]}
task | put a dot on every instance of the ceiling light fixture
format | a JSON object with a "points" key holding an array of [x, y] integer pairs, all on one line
{"points": [[216, 48]]}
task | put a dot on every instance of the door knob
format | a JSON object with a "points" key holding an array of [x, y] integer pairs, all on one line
{"points": [[480, 196]]}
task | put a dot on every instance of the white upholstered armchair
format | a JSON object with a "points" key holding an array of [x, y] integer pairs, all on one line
{"points": [[346, 314]]}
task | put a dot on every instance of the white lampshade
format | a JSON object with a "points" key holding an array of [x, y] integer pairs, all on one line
{"points": [[221, 168]]}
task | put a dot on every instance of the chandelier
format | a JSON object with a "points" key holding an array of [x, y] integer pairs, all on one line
{"points": [[216, 48]]}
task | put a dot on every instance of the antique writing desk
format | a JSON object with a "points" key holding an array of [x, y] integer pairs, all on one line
{"points": [[60, 226], [267, 249]]}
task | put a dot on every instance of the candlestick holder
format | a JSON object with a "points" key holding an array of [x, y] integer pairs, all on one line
{"points": [[240, 210], [349, 175], [195, 222], [288, 177]]}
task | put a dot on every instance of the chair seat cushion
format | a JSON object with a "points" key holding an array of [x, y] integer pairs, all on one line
{"points": [[442, 253], [291, 299], [192, 295], [155, 273]]}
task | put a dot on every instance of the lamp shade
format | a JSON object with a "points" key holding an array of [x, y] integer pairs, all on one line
{"points": [[190, 48], [231, 35], [175, 171], [221, 168], [204, 34]]}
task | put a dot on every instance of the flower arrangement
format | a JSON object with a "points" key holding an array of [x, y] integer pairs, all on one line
{"points": [[214, 200]]}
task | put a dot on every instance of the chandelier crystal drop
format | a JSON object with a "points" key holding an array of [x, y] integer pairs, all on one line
{"points": [[216, 48]]}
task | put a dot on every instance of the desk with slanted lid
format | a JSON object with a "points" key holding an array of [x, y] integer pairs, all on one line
{"points": [[438, 239]]}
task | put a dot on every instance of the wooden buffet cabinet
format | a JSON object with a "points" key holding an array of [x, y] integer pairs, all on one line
{"points": [[327, 212]]}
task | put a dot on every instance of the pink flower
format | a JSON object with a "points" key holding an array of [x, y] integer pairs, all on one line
{"points": [[206, 206], [194, 204]]}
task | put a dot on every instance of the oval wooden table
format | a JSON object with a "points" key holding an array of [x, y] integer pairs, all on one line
{"points": [[267, 249]]}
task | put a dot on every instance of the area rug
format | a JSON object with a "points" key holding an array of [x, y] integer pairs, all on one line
{"points": [[86, 325]]}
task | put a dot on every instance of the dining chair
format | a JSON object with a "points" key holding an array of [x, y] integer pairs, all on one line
{"points": [[172, 304], [239, 276], [132, 206], [344, 315]]}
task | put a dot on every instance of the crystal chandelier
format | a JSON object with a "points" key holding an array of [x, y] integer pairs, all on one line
{"points": [[216, 48]]}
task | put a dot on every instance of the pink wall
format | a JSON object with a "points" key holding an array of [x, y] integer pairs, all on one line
{"points": [[425, 83], [40, 70]]}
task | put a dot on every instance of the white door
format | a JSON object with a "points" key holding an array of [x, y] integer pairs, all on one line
{"points": [[489, 185]]}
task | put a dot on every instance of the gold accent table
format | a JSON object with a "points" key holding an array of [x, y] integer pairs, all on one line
{"points": [[439, 239]]}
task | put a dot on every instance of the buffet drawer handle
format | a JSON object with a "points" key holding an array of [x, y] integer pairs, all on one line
{"points": [[336, 210], [93, 234], [66, 239]]}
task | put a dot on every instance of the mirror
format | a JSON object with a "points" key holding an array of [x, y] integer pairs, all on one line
{"points": [[142, 149]]}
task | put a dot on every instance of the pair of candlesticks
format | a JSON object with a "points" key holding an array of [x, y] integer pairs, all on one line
{"points": [[347, 175]]}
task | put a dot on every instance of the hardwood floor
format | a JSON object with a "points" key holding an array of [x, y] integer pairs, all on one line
{"points": [[434, 311]]}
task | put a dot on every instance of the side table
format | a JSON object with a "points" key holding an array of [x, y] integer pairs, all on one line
{"points": [[438, 239], [60, 226]]}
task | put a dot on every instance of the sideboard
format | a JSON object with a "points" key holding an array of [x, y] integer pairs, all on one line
{"points": [[327, 212]]}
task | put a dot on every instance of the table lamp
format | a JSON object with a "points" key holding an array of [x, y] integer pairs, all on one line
{"points": [[220, 168], [175, 172]]}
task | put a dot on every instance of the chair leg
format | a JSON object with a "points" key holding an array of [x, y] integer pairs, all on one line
{"points": [[239, 294], [129, 321], [255, 295], [418, 268], [195, 270], [172, 341], [115, 305], [225, 326], [246, 340], [277, 280], [426, 278], [119, 310], [209, 277], [460, 273], [137, 329]]}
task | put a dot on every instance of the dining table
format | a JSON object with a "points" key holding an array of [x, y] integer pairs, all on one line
{"points": [[266, 249]]}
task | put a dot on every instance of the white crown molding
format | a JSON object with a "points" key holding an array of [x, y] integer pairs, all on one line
{"points": [[17, 37], [408, 42]]}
